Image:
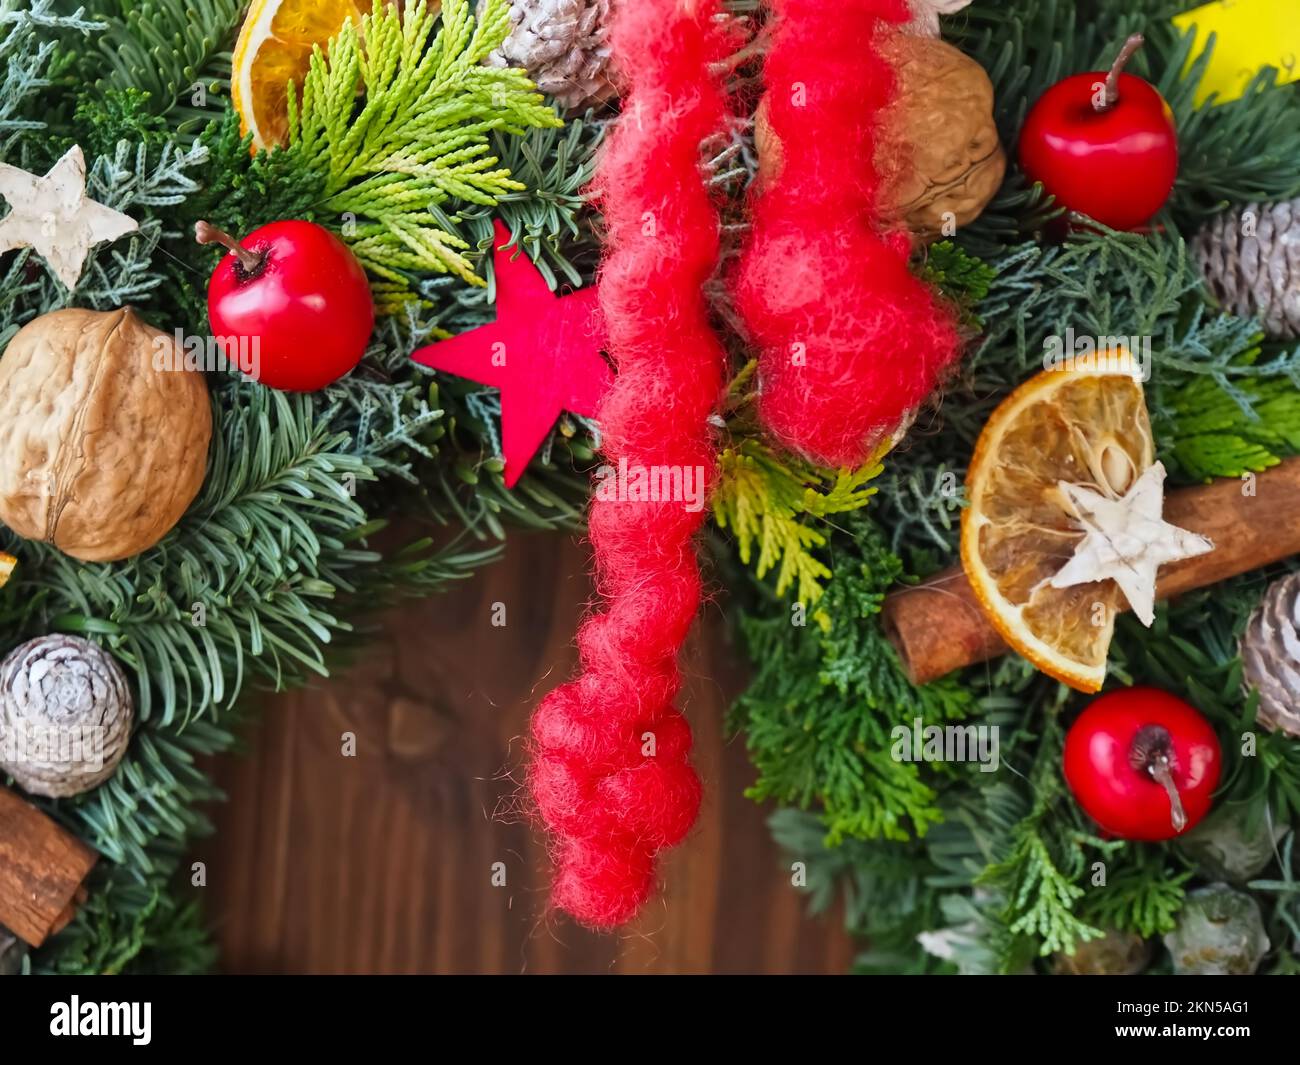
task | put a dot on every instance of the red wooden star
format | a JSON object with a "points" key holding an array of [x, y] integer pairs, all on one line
{"points": [[542, 352]]}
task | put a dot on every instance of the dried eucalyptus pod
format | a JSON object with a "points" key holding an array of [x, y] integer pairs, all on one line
{"points": [[1220, 932], [939, 156], [65, 715], [1114, 954], [103, 434], [1230, 845]]}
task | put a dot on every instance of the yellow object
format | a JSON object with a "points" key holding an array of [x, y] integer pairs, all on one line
{"points": [[1250, 34], [274, 47], [7, 564], [1079, 426]]}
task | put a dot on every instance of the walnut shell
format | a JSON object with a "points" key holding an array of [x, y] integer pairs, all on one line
{"points": [[65, 715], [940, 158], [100, 453], [938, 151]]}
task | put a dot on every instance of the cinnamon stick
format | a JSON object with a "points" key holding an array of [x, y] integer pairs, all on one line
{"points": [[938, 626], [42, 867]]}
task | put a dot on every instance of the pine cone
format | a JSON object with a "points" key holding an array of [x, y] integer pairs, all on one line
{"points": [[561, 43], [1270, 655], [1251, 260], [65, 715]]}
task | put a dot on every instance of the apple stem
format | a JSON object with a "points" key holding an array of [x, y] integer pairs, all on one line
{"points": [[206, 233], [1152, 751], [1111, 96]]}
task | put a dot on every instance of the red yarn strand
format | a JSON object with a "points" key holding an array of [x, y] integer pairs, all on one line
{"points": [[849, 339], [611, 775]]}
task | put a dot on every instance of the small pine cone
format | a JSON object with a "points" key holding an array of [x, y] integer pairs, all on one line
{"points": [[65, 715], [1219, 933], [1270, 655], [561, 43], [1251, 260]]}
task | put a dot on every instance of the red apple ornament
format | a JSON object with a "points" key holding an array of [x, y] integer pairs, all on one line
{"points": [[1142, 763], [1103, 144], [297, 299]]}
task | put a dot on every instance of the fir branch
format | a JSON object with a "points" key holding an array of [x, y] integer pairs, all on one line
{"points": [[550, 218], [1284, 918], [27, 49], [1232, 152], [177, 52]]}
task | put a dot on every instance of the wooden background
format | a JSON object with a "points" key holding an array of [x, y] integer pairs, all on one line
{"points": [[382, 863]]}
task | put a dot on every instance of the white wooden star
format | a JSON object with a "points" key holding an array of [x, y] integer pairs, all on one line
{"points": [[1127, 540], [925, 15], [54, 217]]}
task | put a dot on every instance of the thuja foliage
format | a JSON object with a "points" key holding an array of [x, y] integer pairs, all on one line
{"points": [[773, 508], [942, 867], [268, 579], [420, 139], [823, 701]]}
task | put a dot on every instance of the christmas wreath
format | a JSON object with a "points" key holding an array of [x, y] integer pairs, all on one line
{"points": [[970, 326]]}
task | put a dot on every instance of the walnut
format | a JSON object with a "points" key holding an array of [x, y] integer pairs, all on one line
{"points": [[940, 158], [100, 453], [938, 151], [65, 715]]}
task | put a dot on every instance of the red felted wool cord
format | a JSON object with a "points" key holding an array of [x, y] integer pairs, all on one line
{"points": [[610, 772], [849, 340]]}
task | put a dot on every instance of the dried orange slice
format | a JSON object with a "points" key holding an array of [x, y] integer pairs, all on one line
{"points": [[1080, 426], [274, 48]]}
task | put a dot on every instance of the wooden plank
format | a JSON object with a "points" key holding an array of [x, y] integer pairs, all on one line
{"points": [[42, 867], [383, 863]]}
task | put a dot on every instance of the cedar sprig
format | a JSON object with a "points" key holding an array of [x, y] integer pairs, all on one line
{"points": [[420, 137]]}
